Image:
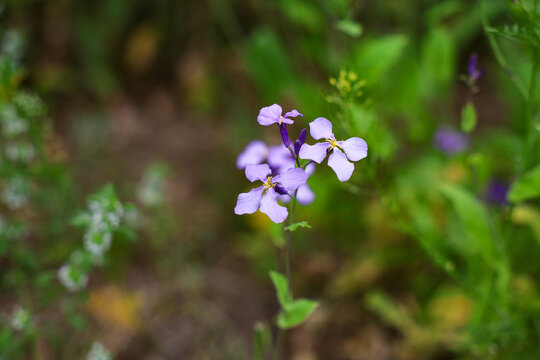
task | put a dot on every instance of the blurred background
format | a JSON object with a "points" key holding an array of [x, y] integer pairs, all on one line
{"points": [[421, 255]]}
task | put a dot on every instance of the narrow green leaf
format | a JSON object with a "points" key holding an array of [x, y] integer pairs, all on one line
{"points": [[295, 226], [295, 313], [468, 118], [526, 187], [282, 288], [350, 27], [387, 308], [82, 219], [473, 216]]}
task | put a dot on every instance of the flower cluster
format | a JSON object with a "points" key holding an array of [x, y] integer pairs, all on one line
{"points": [[101, 220], [280, 170]]}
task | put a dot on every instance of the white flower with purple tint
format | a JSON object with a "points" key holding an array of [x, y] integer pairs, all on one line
{"points": [[265, 197], [341, 152], [273, 115]]}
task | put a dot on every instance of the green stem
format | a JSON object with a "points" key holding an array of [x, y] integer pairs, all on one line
{"points": [[288, 243], [281, 333], [531, 132]]}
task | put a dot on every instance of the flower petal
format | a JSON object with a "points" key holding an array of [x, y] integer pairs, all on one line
{"points": [[280, 158], [270, 207], [284, 198], [285, 120], [310, 169], [269, 115], [320, 128], [355, 148], [339, 163], [315, 152], [292, 178], [257, 172], [248, 203], [305, 195], [254, 154], [292, 113]]}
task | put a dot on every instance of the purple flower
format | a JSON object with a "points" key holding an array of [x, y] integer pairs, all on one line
{"points": [[272, 115], [265, 197], [496, 193], [474, 72], [450, 141], [254, 153], [341, 152], [280, 160]]}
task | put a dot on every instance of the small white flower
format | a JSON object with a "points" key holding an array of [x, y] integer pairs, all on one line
{"points": [[98, 352], [97, 242], [20, 152], [15, 193], [72, 279], [21, 319]]}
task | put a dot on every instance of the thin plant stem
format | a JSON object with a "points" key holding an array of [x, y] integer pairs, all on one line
{"points": [[531, 132], [288, 243], [278, 350]]}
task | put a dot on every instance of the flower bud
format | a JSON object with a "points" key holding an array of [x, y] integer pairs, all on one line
{"points": [[284, 135]]}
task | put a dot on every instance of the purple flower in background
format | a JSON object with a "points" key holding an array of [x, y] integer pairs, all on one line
{"points": [[496, 193], [272, 115], [341, 152], [280, 160], [255, 153], [475, 73], [450, 141], [265, 197]]}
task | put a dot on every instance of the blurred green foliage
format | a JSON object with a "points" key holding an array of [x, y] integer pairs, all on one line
{"points": [[419, 239]]}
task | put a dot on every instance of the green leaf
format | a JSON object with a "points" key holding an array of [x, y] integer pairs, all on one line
{"points": [[295, 313], [82, 219], [269, 64], [438, 61], [473, 217], [282, 288], [295, 226], [350, 27], [373, 58], [527, 215], [387, 308], [304, 13], [526, 187], [468, 118]]}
